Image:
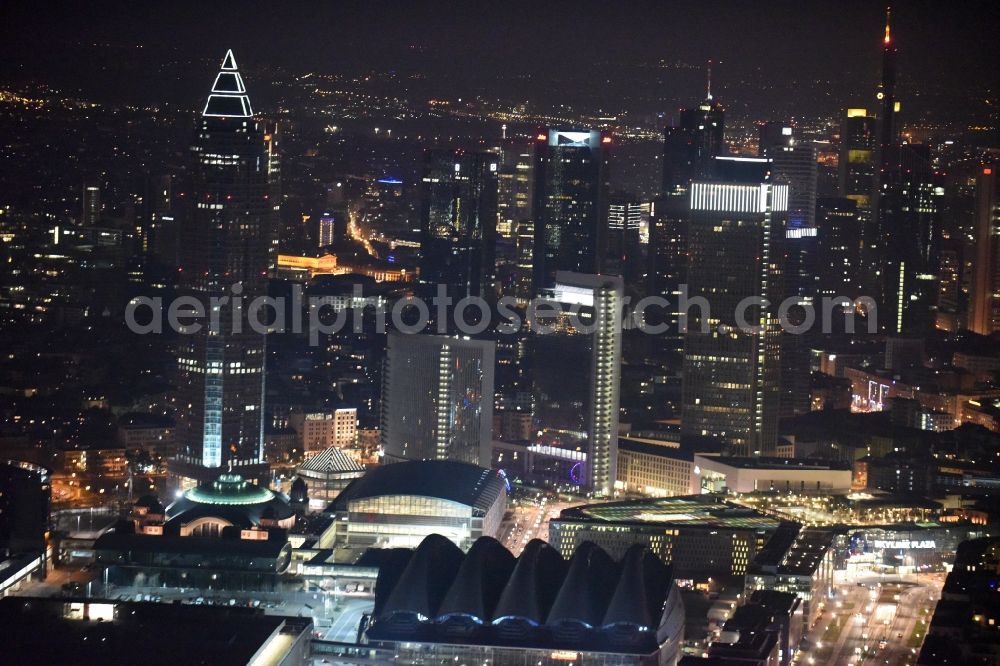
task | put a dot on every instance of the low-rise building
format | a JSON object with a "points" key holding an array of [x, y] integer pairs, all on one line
{"points": [[701, 536], [442, 606], [326, 474], [747, 475], [398, 505], [655, 468]]}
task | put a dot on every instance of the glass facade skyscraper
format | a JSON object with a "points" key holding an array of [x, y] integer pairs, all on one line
{"points": [[437, 398], [459, 222], [227, 236], [571, 189], [576, 369], [732, 357]]}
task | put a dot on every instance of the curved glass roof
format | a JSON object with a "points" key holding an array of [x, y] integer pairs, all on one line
{"points": [[229, 489]]}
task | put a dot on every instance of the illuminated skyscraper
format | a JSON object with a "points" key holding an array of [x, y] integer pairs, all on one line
{"points": [[626, 216], [909, 239], [888, 130], [690, 143], [516, 210], [984, 306], [90, 215], [794, 162], [576, 370], [857, 159], [907, 227], [838, 247], [571, 190], [459, 222], [667, 263], [437, 398], [730, 377], [227, 237]]}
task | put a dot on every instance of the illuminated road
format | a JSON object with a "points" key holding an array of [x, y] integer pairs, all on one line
{"points": [[530, 520], [874, 623]]}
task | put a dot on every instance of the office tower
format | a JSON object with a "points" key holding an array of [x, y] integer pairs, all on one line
{"points": [[524, 249], [949, 285], [626, 216], [908, 239], [458, 222], [888, 130], [984, 307], [226, 242], [838, 247], [690, 143], [516, 210], [571, 186], [576, 372], [667, 263], [326, 232], [437, 398], [857, 164], [730, 376], [90, 215], [272, 138], [515, 182], [794, 162]]}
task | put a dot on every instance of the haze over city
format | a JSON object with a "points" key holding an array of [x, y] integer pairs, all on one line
{"points": [[500, 333]]}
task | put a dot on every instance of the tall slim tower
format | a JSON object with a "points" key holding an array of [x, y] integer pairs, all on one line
{"points": [[571, 190], [227, 237], [516, 211], [437, 398], [886, 95], [576, 373], [731, 372]]}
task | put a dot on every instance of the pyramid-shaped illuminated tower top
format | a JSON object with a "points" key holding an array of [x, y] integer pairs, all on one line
{"points": [[229, 96]]}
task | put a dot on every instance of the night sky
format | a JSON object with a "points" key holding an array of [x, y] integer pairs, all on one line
{"points": [[554, 52]]}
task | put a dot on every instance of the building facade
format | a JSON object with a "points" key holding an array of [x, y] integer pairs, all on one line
{"points": [[437, 398], [227, 239], [732, 355], [571, 199], [576, 371]]}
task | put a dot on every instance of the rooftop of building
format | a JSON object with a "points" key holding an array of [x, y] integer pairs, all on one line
{"points": [[448, 480], [232, 498], [329, 461], [709, 511], [807, 552], [774, 463], [95, 631], [659, 448], [438, 594]]}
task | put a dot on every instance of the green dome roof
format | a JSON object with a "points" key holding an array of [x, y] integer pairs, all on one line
{"points": [[229, 489]]}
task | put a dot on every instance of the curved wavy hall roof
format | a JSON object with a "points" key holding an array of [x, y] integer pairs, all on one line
{"points": [[392, 564], [477, 587], [587, 589], [488, 598], [533, 585], [641, 590], [423, 583]]}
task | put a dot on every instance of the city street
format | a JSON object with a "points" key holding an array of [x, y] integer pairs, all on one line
{"points": [[530, 520], [875, 620]]}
